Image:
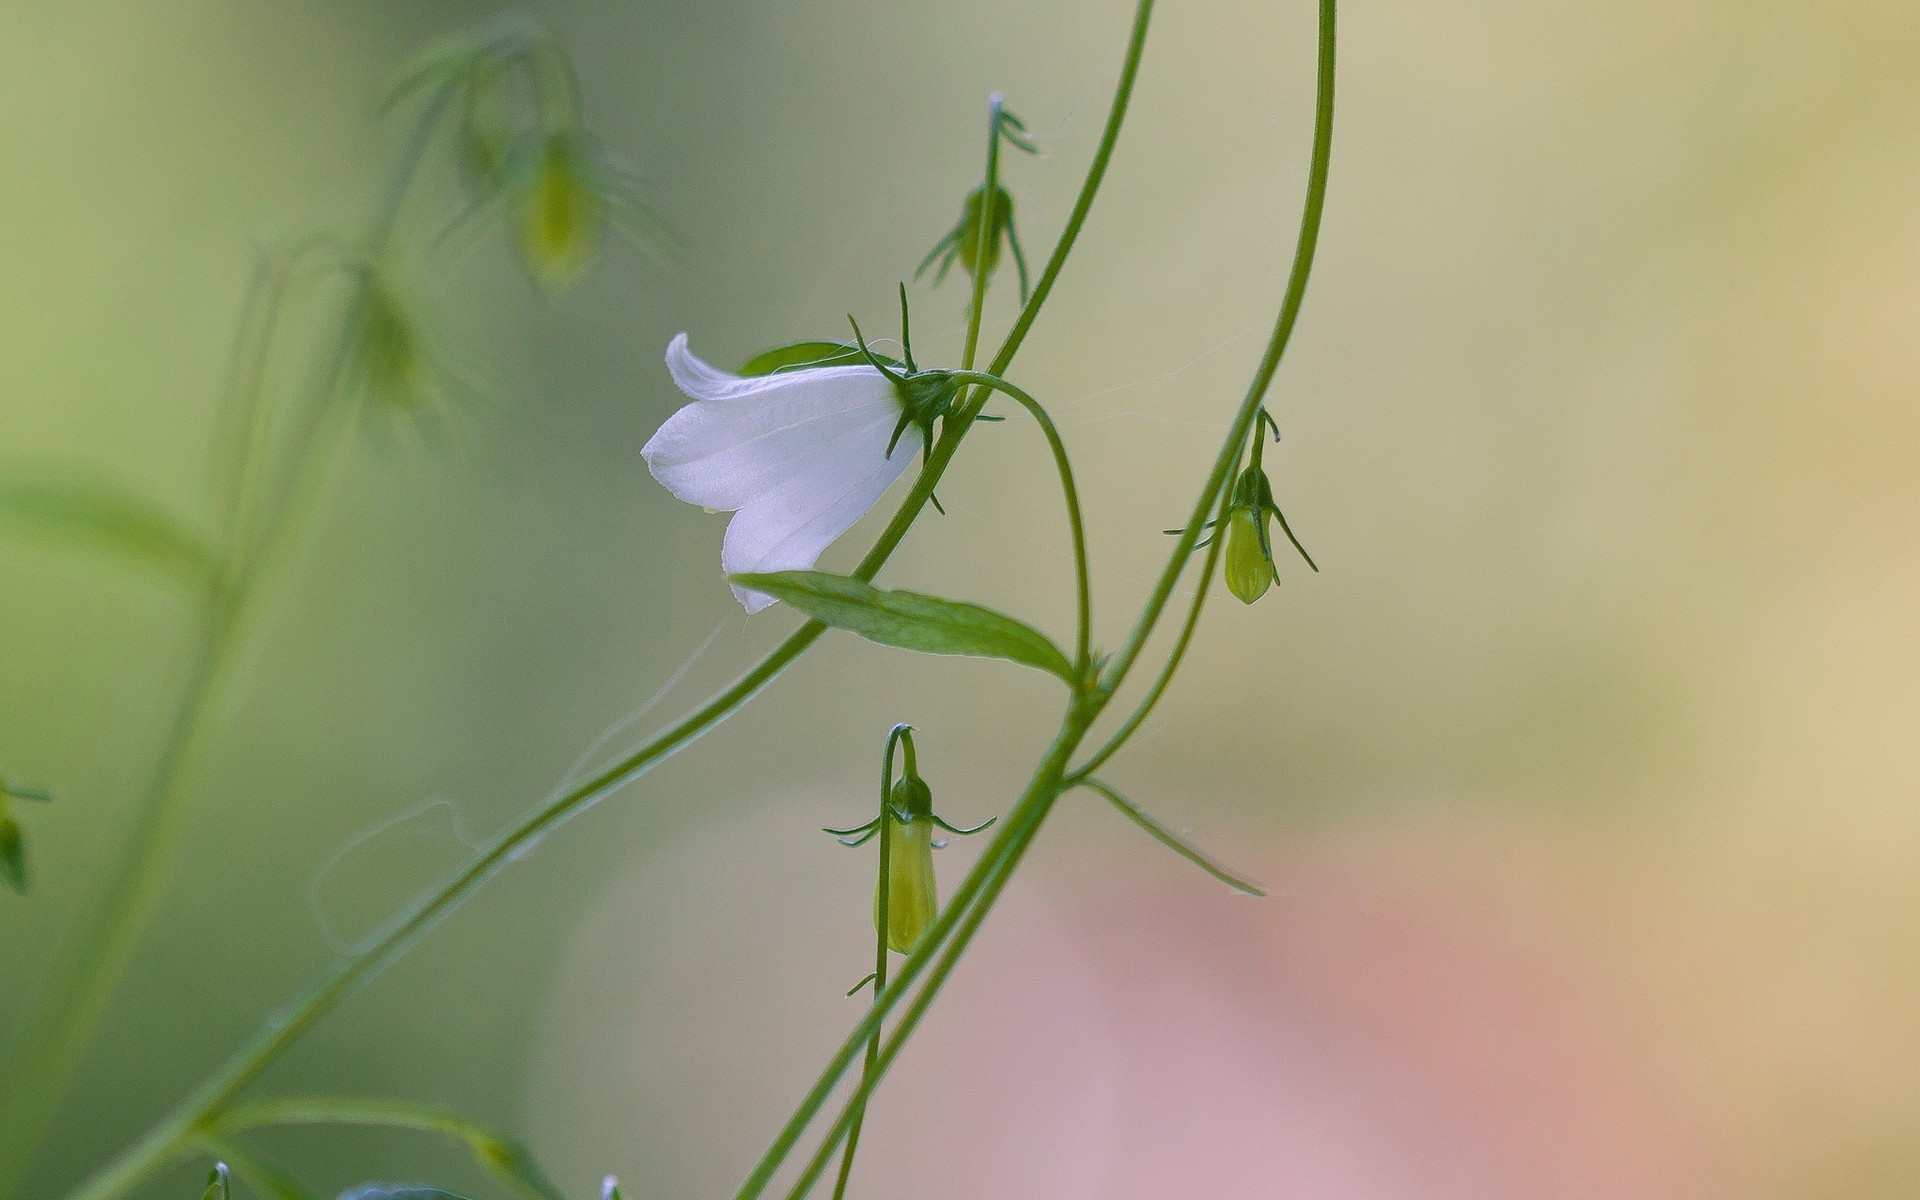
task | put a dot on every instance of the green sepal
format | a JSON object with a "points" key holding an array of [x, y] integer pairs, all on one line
{"points": [[910, 620], [69, 506], [804, 355]]}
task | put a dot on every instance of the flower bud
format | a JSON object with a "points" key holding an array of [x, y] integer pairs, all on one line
{"points": [[1249, 568], [997, 217], [393, 363], [910, 895], [561, 210], [13, 853]]}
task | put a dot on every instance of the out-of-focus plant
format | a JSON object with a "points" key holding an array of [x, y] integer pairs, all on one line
{"points": [[381, 362], [798, 444]]}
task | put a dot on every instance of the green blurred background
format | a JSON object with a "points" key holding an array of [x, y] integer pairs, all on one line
{"points": [[1583, 775]]}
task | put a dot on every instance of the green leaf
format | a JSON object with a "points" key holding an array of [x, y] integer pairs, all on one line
{"points": [[218, 1185], [911, 621], [13, 854], [811, 354], [102, 514], [1174, 841], [515, 1166]]}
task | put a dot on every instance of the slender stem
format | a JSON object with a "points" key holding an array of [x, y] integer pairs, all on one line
{"points": [[983, 884], [166, 1135], [1023, 827], [977, 308], [1243, 421], [63, 1023], [1139, 715], [64, 1019], [880, 918], [1083, 587]]}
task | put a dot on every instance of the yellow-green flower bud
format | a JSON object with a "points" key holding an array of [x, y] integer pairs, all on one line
{"points": [[910, 895], [561, 211], [1249, 562], [998, 218]]}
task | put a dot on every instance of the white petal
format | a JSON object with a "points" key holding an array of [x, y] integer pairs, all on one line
{"points": [[742, 436], [787, 528]]}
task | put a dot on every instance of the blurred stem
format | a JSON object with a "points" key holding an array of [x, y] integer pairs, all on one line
{"points": [[57, 1033], [1083, 587], [167, 1136], [880, 918], [976, 309]]}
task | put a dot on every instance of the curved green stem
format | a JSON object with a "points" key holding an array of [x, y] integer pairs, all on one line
{"points": [[63, 1022], [1083, 587], [983, 884], [1139, 715], [880, 917], [169, 1133], [1243, 422]]}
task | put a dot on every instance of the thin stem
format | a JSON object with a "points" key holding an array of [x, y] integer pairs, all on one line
{"points": [[1023, 826], [63, 1023], [977, 308], [1082, 583], [880, 918], [166, 1136], [989, 875], [1016, 828], [1139, 715], [1243, 421]]}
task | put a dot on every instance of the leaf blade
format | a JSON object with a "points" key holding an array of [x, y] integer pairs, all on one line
{"points": [[806, 355], [106, 516], [911, 620]]}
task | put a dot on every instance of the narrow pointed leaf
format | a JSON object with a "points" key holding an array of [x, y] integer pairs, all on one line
{"points": [[1174, 841], [802, 355], [910, 620], [103, 515]]}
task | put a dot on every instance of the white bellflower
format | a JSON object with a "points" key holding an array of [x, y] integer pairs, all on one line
{"points": [[797, 456]]}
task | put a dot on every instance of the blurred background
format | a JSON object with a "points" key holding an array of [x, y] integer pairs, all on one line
{"points": [[1583, 776]]}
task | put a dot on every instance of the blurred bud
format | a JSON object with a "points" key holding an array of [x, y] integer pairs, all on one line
{"points": [[562, 209], [13, 852], [394, 367], [911, 898], [219, 1184], [964, 243], [1249, 568]]}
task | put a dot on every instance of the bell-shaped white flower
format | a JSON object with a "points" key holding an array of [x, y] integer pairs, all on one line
{"points": [[797, 457]]}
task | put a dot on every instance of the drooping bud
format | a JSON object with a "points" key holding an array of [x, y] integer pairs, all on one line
{"points": [[1249, 569], [392, 361], [562, 209], [963, 243], [911, 899]]}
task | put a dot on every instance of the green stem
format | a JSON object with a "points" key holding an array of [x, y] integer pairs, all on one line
{"points": [[983, 884], [880, 918], [1139, 714], [977, 307], [1083, 588], [63, 1023], [1283, 327], [166, 1136]]}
